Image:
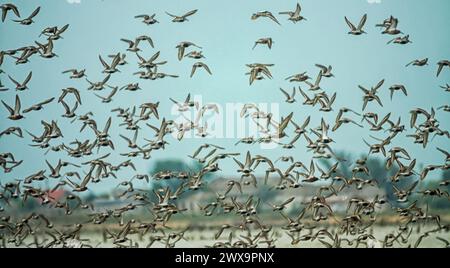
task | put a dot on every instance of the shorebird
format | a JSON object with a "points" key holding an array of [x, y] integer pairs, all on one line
{"points": [[187, 104], [265, 14], [445, 108], [256, 69], [29, 20], [310, 176], [163, 75], [69, 113], [7, 7], [346, 110], [301, 129], [421, 62], [427, 169], [38, 106], [49, 31], [82, 186], [182, 18], [396, 127], [75, 74], [343, 120], [289, 98], [396, 88], [200, 65], [22, 86], [402, 40], [53, 33], [390, 26], [316, 85], [322, 133], [109, 69], [46, 50], [300, 77], [55, 171], [182, 46], [281, 127], [131, 87], [370, 115], [386, 22], [147, 19], [150, 63], [417, 111], [402, 195], [195, 55], [70, 90], [326, 71], [246, 140], [370, 95], [281, 206], [247, 167], [14, 114], [12, 130], [446, 87], [326, 102], [441, 64], [131, 143], [379, 125], [264, 41], [98, 85], [27, 52], [133, 45], [308, 100], [108, 98], [294, 16], [122, 58], [356, 30]]}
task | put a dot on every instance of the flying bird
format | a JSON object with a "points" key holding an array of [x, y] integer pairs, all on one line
{"points": [[264, 41], [200, 65], [356, 30], [396, 87], [14, 114], [182, 18], [9, 7], [418, 62], [294, 16], [265, 14], [22, 86], [441, 65], [29, 20], [38, 106], [182, 46], [370, 95], [147, 19]]}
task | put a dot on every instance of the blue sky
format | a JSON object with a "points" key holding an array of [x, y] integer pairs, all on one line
{"points": [[226, 34]]}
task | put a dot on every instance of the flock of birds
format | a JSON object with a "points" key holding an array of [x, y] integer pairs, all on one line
{"points": [[314, 221]]}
